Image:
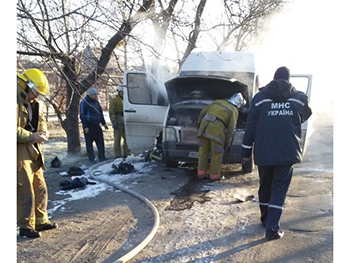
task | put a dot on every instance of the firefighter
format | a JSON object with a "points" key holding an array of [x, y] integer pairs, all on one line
{"points": [[274, 127], [32, 193], [217, 123], [116, 115]]}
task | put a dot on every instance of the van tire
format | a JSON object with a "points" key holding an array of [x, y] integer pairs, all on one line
{"points": [[170, 163]]}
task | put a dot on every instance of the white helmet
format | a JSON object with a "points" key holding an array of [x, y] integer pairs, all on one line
{"points": [[237, 100], [120, 88]]}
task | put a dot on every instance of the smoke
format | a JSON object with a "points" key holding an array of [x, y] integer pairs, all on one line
{"points": [[311, 36], [307, 38]]}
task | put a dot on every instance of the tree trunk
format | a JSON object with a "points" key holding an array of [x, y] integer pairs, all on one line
{"points": [[71, 124]]}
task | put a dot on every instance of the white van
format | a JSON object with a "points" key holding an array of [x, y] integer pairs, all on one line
{"points": [[170, 110]]}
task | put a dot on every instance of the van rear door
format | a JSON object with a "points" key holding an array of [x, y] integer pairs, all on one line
{"points": [[145, 105], [302, 82]]}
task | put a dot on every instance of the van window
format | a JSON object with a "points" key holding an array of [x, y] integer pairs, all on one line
{"points": [[300, 83], [143, 90]]}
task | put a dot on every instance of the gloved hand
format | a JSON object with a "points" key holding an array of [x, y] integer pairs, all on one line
{"points": [[115, 124], [227, 147], [37, 137], [106, 127], [46, 133]]}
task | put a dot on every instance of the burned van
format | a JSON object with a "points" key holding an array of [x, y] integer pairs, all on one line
{"points": [[188, 95], [170, 110]]}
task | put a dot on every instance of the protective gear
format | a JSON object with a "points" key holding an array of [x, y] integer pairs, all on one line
{"points": [[37, 137], [32, 192], [120, 88], [36, 80], [217, 124], [117, 119], [115, 124], [92, 91], [31, 233], [237, 100]]}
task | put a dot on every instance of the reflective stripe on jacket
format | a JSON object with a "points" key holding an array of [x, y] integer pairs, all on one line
{"points": [[274, 124], [23, 135], [116, 110], [220, 128]]}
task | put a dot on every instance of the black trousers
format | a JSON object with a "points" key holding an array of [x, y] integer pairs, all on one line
{"points": [[95, 134], [274, 184]]}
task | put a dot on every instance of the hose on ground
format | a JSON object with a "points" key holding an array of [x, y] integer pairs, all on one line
{"points": [[152, 233]]}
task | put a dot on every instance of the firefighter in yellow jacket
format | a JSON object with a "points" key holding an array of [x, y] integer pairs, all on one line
{"points": [[116, 114], [217, 123], [32, 194]]}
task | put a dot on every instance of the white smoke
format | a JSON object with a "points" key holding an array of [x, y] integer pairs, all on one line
{"points": [[311, 36]]}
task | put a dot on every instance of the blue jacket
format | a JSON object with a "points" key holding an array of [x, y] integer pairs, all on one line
{"points": [[274, 124], [91, 113]]}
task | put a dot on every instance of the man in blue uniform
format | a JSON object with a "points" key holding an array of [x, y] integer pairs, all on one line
{"points": [[274, 126], [91, 117]]}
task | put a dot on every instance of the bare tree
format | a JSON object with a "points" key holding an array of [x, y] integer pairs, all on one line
{"points": [[58, 31], [61, 32], [193, 36], [245, 18]]}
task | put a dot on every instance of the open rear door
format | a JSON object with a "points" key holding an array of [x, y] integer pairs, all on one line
{"points": [[145, 105], [302, 82]]}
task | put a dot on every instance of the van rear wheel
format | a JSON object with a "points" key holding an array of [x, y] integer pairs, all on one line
{"points": [[170, 163]]}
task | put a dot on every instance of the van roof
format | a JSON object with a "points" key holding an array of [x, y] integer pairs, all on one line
{"points": [[204, 62]]}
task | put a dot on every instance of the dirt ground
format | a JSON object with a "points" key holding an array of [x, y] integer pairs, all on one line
{"points": [[200, 221]]}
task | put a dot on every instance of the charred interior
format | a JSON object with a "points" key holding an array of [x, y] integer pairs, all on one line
{"points": [[185, 114], [188, 95]]}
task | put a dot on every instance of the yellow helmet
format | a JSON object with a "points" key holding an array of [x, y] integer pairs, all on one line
{"points": [[35, 79]]}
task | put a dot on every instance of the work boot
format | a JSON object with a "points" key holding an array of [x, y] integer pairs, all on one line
{"points": [[276, 235], [47, 226], [201, 174], [215, 177], [31, 233]]}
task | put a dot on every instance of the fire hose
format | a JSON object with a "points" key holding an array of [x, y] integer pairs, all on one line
{"points": [[94, 175]]}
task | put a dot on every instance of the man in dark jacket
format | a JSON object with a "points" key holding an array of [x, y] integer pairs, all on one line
{"points": [[91, 117], [274, 126]]}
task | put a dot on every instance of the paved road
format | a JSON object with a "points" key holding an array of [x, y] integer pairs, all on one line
{"points": [[307, 218], [213, 227]]}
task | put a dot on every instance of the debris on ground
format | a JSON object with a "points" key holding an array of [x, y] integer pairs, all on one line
{"points": [[56, 162], [74, 171], [79, 182], [122, 168]]}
